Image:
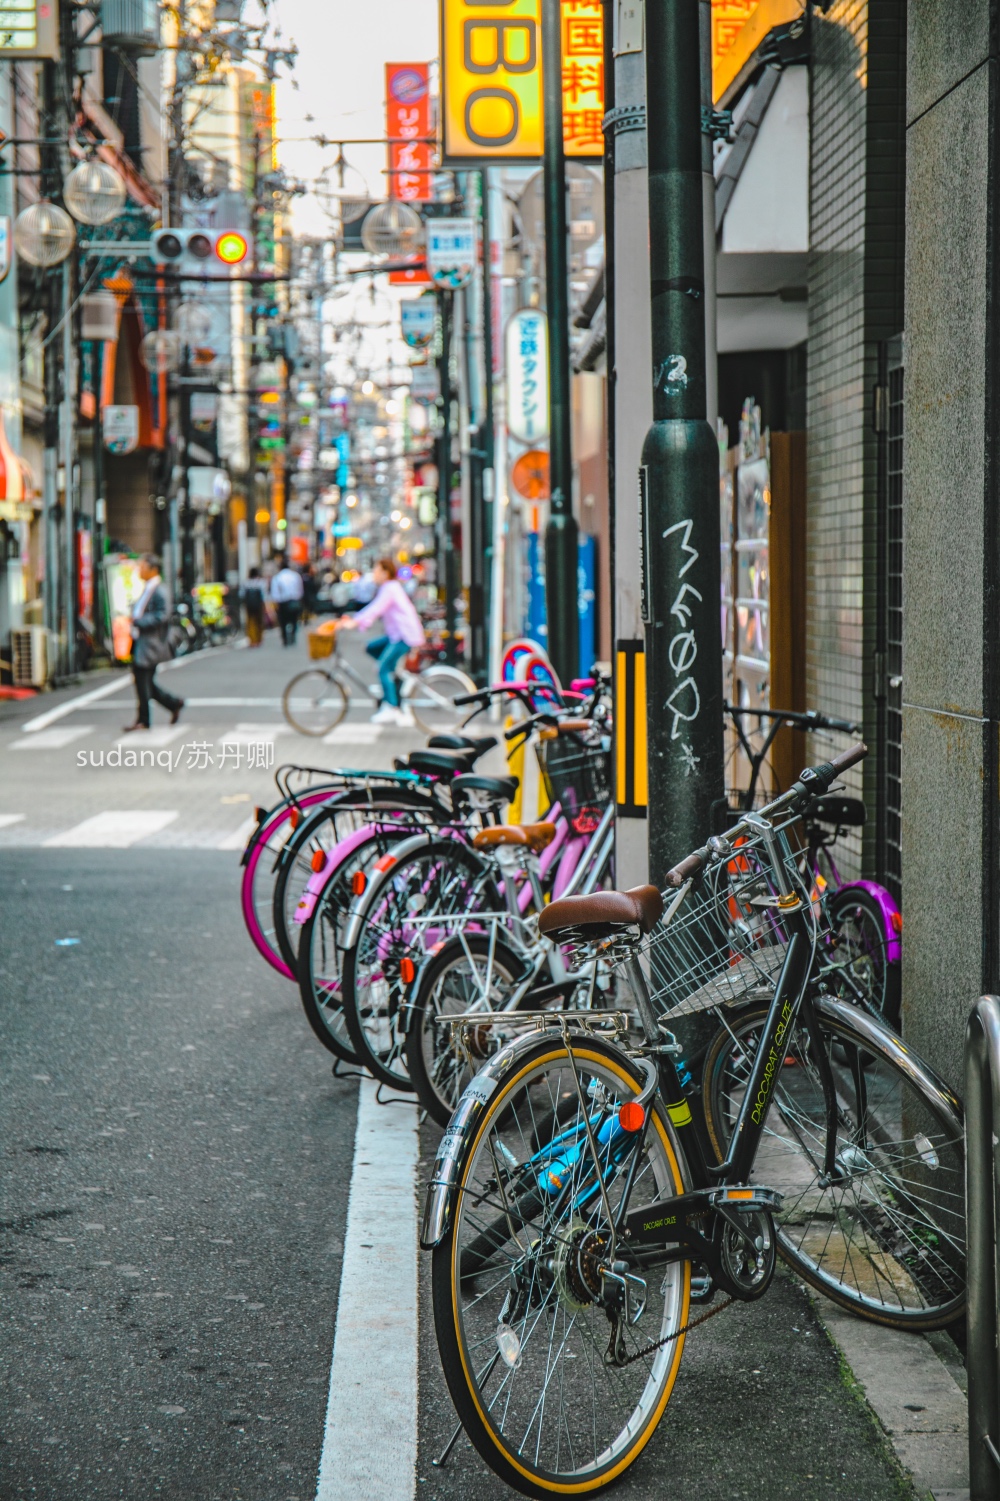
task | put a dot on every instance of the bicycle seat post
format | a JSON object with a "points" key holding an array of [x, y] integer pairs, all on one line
{"points": [[644, 1006]]}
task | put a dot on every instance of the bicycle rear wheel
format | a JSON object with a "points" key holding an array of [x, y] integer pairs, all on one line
{"points": [[432, 699], [314, 702], [883, 1234], [519, 1299]]}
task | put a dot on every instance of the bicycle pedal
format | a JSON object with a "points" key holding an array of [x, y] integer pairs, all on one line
{"points": [[746, 1200]]}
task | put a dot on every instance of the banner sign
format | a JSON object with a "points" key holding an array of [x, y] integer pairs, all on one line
{"points": [[491, 79], [407, 119], [527, 376], [426, 383], [418, 318], [451, 251]]}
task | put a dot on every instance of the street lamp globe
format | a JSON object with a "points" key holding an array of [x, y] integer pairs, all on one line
{"points": [[194, 322], [392, 228], [94, 193], [160, 351], [44, 234]]}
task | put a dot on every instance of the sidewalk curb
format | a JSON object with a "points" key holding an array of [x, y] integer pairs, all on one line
{"points": [[909, 1382]]}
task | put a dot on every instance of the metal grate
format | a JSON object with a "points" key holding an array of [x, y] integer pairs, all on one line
{"points": [[892, 872]]}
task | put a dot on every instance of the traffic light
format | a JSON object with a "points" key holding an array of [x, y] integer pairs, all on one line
{"points": [[198, 250]]}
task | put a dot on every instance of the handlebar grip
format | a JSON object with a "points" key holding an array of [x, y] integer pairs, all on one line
{"points": [[848, 758], [480, 697], [686, 867]]}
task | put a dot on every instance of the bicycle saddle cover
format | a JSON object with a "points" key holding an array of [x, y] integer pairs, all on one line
{"points": [[847, 812], [602, 913], [502, 788], [478, 743], [438, 763], [532, 836]]}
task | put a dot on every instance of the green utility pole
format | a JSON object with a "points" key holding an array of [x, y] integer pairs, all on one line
{"points": [[679, 474], [561, 532], [447, 566]]}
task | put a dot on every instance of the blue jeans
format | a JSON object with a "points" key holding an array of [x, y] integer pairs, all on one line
{"points": [[388, 654]]}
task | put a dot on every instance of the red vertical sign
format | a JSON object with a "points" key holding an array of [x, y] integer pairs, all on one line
{"points": [[408, 127]]}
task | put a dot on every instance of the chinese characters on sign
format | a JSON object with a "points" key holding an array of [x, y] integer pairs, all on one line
{"points": [[491, 59], [407, 126], [528, 376]]}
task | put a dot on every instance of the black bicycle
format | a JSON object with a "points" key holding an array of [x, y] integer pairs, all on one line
{"points": [[582, 1198]]}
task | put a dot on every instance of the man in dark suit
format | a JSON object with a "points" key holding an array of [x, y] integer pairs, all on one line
{"points": [[150, 646]]}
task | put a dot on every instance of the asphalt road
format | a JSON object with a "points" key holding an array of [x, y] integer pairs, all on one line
{"points": [[176, 1167]]}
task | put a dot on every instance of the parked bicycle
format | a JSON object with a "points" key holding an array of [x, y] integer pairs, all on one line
{"points": [[581, 1184], [316, 700]]}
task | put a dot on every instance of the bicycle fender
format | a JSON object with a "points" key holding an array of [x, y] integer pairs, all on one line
{"points": [[887, 1041], [892, 918], [318, 880], [456, 1143], [377, 880]]}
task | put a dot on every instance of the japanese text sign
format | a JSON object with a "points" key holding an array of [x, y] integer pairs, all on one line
{"points": [[407, 127], [527, 376], [491, 59]]}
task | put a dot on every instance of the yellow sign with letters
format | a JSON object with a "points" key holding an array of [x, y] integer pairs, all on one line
{"points": [[491, 79]]}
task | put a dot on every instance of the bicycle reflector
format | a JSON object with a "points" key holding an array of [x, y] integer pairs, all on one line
{"points": [[318, 860], [631, 1116], [231, 247], [407, 970], [359, 882], [295, 818]]}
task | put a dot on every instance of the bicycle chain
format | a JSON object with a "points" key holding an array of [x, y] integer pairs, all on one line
{"points": [[667, 1338]]}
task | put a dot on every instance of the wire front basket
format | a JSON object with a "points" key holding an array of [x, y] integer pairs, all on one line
{"points": [[723, 939], [577, 773]]}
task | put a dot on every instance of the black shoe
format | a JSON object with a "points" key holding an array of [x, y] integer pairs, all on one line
{"points": [[175, 714], [128, 728]]}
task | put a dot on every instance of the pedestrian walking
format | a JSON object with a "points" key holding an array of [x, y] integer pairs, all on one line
{"points": [[403, 631], [151, 645], [254, 596], [310, 591], [286, 592]]}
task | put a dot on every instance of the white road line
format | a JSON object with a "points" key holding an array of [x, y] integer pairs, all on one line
{"points": [[353, 734], [42, 721], [115, 830], [238, 838], [6, 819], [52, 739], [370, 1439], [152, 739]]}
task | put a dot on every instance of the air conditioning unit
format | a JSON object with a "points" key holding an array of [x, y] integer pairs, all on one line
{"points": [[132, 25], [29, 656]]}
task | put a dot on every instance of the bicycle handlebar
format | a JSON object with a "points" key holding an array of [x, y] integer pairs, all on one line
{"points": [[807, 719], [814, 780]]}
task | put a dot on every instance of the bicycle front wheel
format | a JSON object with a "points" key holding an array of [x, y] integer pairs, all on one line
{"points": [[519, 1296], [870, 1159], [314, 703], [433, 695]]}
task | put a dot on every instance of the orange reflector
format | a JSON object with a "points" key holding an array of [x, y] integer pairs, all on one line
{"points": [[896, 918], [407, 971], [318, 860], [631, 1116], [295, 819], [739, 1193], [386, 862], [358, 883]]}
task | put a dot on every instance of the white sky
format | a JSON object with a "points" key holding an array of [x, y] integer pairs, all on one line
{"points": [[343, 48]]}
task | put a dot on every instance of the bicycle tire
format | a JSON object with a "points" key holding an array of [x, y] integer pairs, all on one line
{"points": [[898, 1232], [373, 990], [585, 1439], [269, 838], [333, 691], [311, 836], [858, 940], [438, 1070], [431, 697]]}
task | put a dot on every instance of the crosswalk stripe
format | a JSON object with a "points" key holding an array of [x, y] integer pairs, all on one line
{"points": [[6, 819], [52, 739], [114, 829], [238, 838], [353, 734], [152, 739]]}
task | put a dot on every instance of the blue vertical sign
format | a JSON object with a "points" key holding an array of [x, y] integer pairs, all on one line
{"points": [[344, 451], [535, 625], [586, 591]]}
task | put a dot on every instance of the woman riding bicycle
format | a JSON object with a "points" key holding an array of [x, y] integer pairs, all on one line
{"points": [[403, 631]]}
